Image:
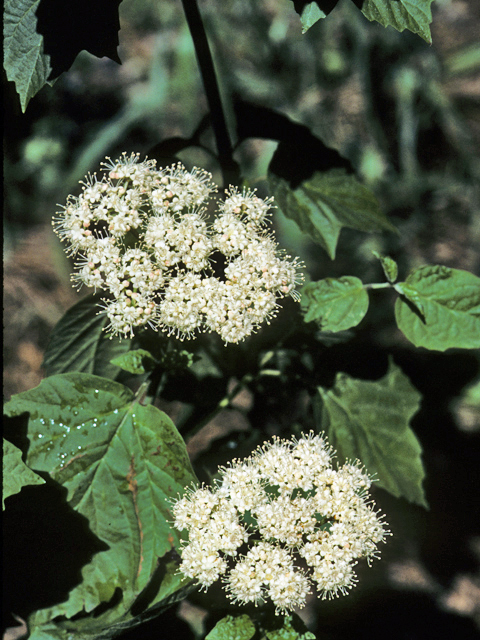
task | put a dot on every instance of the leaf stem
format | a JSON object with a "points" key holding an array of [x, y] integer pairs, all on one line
{"points": [[212, 92], [378, 285]]}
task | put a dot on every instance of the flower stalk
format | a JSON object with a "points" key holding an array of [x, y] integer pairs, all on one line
{"points": [[207, 70]]}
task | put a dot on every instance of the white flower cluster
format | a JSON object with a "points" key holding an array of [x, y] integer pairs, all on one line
{"points": [[141, 235], [282, 507]]}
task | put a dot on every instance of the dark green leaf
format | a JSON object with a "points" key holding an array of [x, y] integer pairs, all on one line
{"points": [[79, 342], [137, 361], [24, 59], [449, 301], [16, 474], [389, 266], [335, 303], [238, 627], [414, 15], [370, 421], [121, 463], [70, 27], [328, 201]]}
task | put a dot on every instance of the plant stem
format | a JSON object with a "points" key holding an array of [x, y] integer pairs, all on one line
{"points": [[207, 71], [378, 285]]}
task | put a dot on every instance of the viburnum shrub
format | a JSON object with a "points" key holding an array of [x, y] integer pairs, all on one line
{"points": [[256, 485]]}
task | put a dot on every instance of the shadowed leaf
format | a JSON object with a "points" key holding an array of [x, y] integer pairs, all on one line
{"points": [[79, 343], [324, 204], [370, 421]]}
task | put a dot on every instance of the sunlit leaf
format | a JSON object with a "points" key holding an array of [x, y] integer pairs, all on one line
{"points": [[335, 304], [79, 343], [121, 463], [370, 421], [328, 201], [414, 15], [137, 361], [25, 61], [449, 304], [290, 631], [16, 474], [238, 627], [413, 296], [311, 14], [389, 266]]}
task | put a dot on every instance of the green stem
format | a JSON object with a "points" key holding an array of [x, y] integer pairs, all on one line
{"points": [[378, 285], [207, 70]]}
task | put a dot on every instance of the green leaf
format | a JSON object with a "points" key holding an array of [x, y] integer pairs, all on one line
{"points": [[24, 59], [335, 303], [370, 421], [311, 14], [16, 474], [238, 627], [389, 266], [328, 201], [121, 463], [137, 361], [414, 15], [449, 300], [289, 632], [79, 342], [412, 295]]}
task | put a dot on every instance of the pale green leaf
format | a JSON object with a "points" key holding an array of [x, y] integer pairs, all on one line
{"points": [[121, 463], [137, 361], [414, 15], [79, 343], [335, 304], [370, 421], [16, 474], [311, 14], [328, 201], [238, 627], [389, 266], [25, 62], [449, 300]]}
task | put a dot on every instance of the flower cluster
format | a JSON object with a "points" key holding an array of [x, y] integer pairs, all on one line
{"points": [[141, 235], [282, 508]]}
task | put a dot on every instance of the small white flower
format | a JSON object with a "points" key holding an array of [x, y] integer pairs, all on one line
{"points": [[283, 504], [141, 236]]}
